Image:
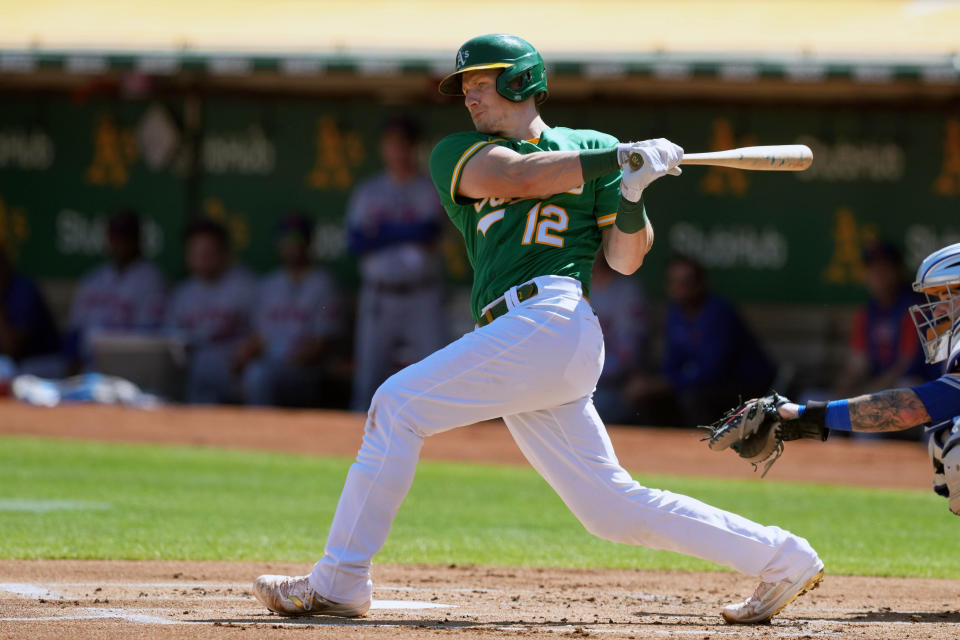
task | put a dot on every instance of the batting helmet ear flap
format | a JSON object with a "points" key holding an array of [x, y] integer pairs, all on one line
{"points": [[532, 76]]}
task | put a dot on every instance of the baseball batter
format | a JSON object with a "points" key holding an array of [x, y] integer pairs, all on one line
{"points": [[534, 204]]}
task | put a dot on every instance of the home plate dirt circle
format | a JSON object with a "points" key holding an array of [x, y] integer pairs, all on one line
{"points": [[112, 600]]}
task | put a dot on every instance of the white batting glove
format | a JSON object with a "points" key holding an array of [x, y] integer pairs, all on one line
{"points": [[644, 162], [670, 153]]}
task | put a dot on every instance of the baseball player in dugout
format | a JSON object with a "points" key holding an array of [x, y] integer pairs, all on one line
{"points": [[757, 429], [394, 223], [211, 312], [534, 203], [294, 322], [125, 294]]}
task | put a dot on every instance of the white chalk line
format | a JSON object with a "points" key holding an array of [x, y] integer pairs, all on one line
{"points": [[188, 586], [247, 586], [28, 590], [101, 614]]}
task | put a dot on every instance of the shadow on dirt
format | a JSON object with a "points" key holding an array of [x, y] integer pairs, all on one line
{"points": [[639, 619], [408, 623], [888, 615]]}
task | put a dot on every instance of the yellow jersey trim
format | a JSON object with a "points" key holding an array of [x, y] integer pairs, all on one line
{"points": [[455, 179], [606, 221]]}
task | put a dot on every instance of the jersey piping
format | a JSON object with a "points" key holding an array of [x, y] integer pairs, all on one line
{"points": [[469, 153], [607, 220]]}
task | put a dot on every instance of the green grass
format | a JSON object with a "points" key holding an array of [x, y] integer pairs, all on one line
{"points": [[158, 502]]}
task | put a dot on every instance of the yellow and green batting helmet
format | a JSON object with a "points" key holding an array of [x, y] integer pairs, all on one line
{"points": [[518, 59]]}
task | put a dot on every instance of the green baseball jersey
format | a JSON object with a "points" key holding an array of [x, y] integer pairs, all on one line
{"points": [[511, 241]]}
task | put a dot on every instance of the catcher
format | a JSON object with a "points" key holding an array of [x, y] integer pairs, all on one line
{"points": [[757, 429]]}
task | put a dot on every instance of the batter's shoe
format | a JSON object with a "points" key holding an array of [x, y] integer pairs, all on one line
{"points": [[770, 598], [293, 596]]}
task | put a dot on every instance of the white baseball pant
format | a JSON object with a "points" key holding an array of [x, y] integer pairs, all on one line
{"points": [[536, 366]]}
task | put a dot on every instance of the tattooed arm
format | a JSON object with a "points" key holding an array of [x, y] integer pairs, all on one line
{"points": [[890, 410]]}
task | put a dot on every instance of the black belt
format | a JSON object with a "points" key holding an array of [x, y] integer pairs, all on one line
{"points": [[524, 292]]}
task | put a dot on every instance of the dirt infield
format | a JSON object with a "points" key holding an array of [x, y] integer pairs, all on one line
{"points": [[113, 600], [106, 599]]}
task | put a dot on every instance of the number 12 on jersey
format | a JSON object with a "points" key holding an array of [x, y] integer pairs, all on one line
{"points": [[541, 221]]}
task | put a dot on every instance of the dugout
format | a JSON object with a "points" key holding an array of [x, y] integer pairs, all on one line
{"points": [[244, 114]]}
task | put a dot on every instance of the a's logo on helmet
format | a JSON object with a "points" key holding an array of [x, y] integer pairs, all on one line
{"points": [[462, 56]]}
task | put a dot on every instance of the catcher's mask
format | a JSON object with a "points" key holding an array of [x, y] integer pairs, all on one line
{"points": [[518, 58], [938, 319]]}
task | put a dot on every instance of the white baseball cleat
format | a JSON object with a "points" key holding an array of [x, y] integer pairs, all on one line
{"points": [[293, 596], [770, 598]]}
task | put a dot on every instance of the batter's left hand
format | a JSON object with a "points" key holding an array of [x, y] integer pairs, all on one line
{"points": [[669, 153], [643, 162]]}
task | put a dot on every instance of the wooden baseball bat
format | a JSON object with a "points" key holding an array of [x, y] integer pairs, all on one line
{"points": [[778, 157]]}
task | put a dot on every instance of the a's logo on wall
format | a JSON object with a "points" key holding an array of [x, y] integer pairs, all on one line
{"points": [[114, 152], [850, 237], [462, 56], [723, 181], [948, 182], [14, 228], [338, 153]]}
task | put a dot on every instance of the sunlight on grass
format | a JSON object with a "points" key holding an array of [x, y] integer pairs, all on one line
{"points": [[71, 499]]}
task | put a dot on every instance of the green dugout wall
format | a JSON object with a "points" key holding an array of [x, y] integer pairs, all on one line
{"points": [[882, 170]]}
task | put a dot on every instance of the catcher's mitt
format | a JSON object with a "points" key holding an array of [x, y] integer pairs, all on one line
{"points": [[755, 430]]}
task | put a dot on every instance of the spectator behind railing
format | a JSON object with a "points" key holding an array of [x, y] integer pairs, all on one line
{"points": [[710, 356], [211, 313], [296, 320], [29, 340], [125, 295]]}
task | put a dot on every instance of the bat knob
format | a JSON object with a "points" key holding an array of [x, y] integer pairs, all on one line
{"points": [[635, 161]]}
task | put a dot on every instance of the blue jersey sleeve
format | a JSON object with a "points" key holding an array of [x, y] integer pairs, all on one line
{"points": [[391, 233], [940, 397]]}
